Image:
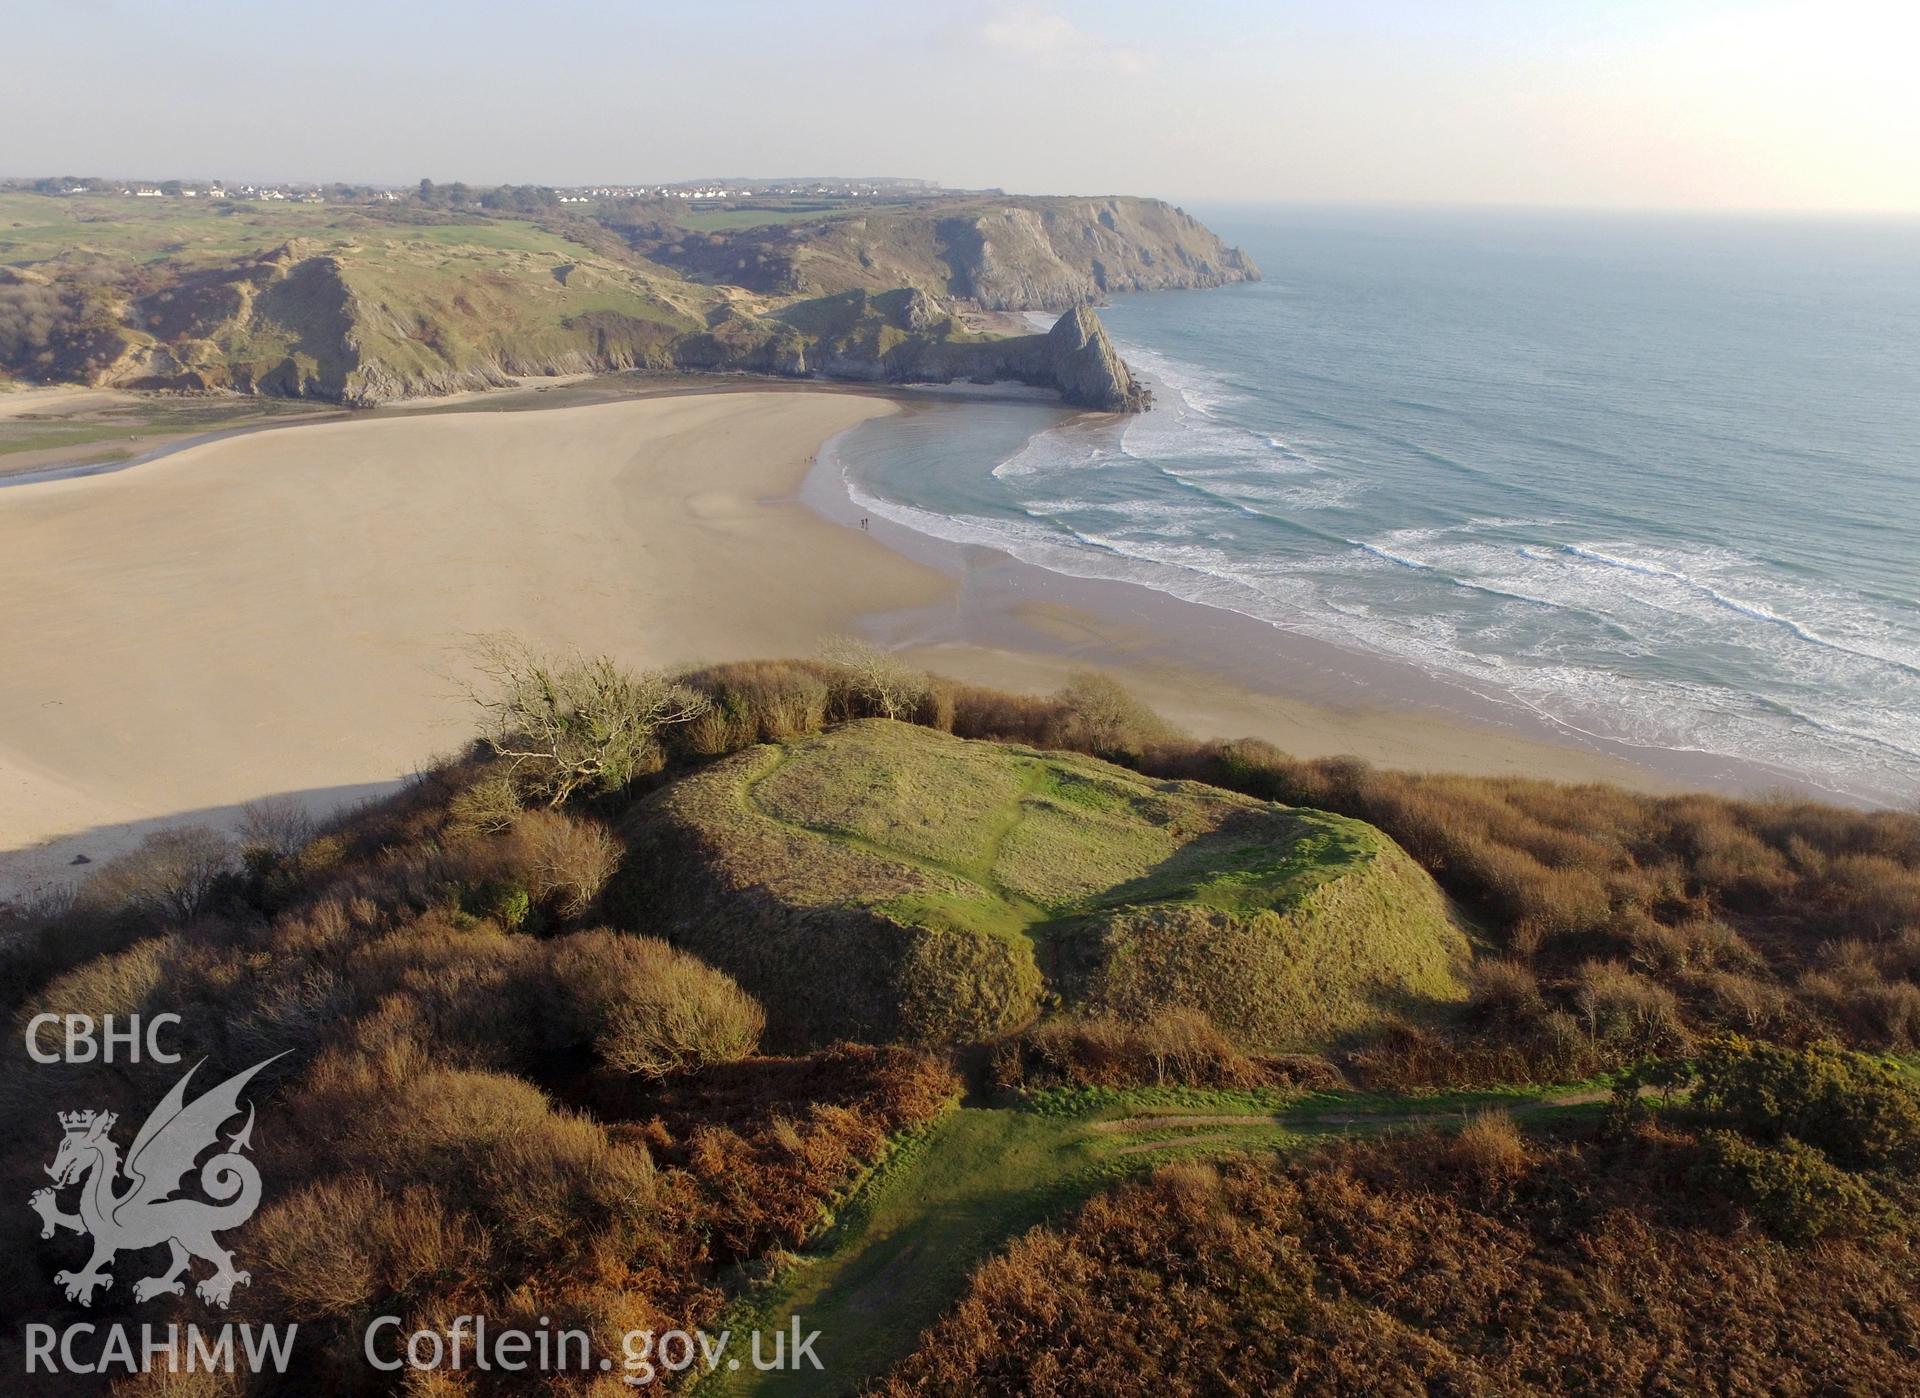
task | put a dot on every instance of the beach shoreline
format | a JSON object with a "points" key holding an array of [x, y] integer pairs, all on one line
{"points": [[1219, 673], [281, 612]]}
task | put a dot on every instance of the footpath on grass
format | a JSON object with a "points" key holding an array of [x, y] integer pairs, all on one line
{"points": [[899, 1253]]}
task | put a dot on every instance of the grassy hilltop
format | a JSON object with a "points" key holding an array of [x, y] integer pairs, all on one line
{"points": [[363, 303], [886, 881]]}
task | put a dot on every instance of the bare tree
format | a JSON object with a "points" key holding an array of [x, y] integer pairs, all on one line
{"points": [[1099, 716], [277, 825], [172, 874], [568, 722], [879, 677]]}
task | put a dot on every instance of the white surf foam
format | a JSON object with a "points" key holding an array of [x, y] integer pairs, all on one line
{"points": [[1690, 650]]}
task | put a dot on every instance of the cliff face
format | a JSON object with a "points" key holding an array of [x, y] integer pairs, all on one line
{"points": [[1051, 254], [296, 326], [365, 325], [906, 336], [369, 311], [1088, 369], [1011, 254]]}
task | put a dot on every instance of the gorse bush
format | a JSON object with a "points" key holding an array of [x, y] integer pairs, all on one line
{"points": [[1791, 1189], [487, 807], [1863, 1113]]}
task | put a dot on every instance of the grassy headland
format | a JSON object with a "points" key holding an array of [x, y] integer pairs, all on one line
{"points": [[369, 302]]}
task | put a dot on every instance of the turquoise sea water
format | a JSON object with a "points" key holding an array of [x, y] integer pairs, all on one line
{"points": [[1655, 479]]}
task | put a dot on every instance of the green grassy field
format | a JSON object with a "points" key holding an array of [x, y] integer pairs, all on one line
{"points": [[713, 220], [130, 425], [954, 885], [34, 228]]}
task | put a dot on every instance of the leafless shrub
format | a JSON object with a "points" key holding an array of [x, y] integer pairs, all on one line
{"points": [[1743, 1002], [1506, 995], [277, 826], [339, 1244], [573, 722], [759, 701], [1617, 1005], [1176, 1046], [568, 859], [1700, 944], [891, 686], [171, 875], [549, 1186], [648, 1008], [996, 714], [1096, 714]]}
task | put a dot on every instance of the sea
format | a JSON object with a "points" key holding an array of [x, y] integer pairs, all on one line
{"points": [[1654, 480]]}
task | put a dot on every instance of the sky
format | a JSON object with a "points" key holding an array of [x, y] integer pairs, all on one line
{"points": [[1698, 104]]}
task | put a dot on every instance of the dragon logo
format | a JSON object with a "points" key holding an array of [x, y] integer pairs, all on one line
{"points": [[144, 1214]]}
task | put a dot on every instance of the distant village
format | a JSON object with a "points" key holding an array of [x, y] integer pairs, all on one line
{"points": [[461, 195]]}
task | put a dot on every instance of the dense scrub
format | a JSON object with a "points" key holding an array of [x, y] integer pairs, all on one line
{"points": [[504, 1093], [1180, 1047], [488, 1103], [1676, 1256], [1634, 923], [1621, 924]]}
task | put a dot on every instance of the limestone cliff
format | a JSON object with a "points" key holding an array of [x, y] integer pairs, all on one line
{"points": [[906, 336], [1002, 253], [1047, 255], [1087, 368], [371, 309]]}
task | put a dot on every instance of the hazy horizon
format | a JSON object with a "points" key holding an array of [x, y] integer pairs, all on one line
{"points": [[1692, 105]]}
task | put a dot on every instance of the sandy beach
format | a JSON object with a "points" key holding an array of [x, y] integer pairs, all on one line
{"points": [[283, 612]]}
